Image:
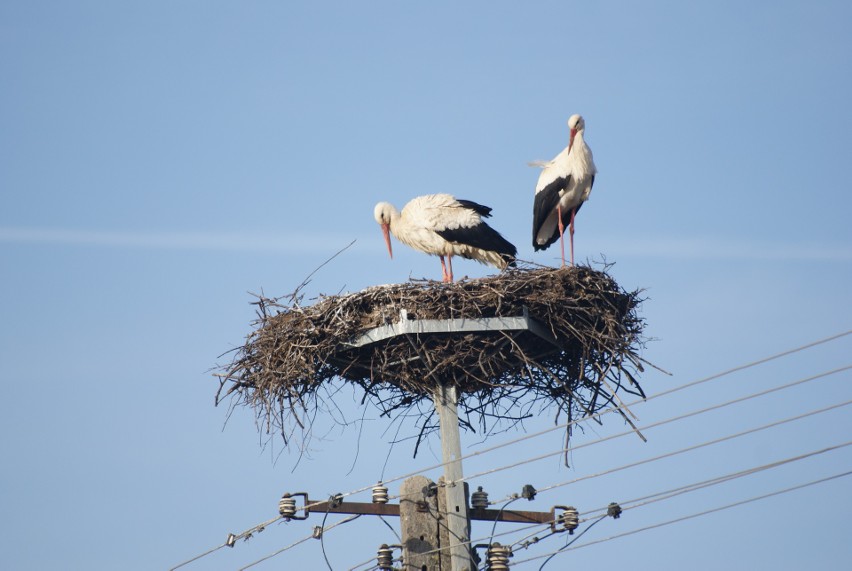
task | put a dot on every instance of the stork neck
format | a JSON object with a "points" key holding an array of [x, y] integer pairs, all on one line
{"points": [[395, 220], [579, 150]]}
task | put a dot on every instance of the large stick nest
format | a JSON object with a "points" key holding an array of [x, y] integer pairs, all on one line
{"points": [[294, 361]]}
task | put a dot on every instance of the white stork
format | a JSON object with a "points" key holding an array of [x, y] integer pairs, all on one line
{"points": [[563, 186], [441, 225]]}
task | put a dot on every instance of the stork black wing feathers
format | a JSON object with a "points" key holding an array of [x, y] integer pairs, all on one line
{"points": [[545, 203], [484, 211], [481, 236]]}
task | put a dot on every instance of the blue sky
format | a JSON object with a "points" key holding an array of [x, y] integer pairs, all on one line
{"points": [[161, 160]]}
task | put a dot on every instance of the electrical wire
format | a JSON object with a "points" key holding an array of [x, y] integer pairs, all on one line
{"points": [[570, 543], [655, 424], [701, 445], [292, 545], [695, 515], [657, 395], [322, 534], [707, 409], [612, 409], [282, 550], [751, 364], [384, 521], [647, 427], [371, 560], [491, 538], [648, 499], [232, 539], [497, 518], [597, 415], [682, 489], [197, 557], [563, 426], [524, 540], [367, 562], [668, 494]]}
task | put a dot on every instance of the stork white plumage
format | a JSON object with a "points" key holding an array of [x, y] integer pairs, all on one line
{"points": [[563, 186], [441, 225]]}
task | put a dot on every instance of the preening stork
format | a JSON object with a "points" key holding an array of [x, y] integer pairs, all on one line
{"points": [[441, 225], [563, 186]]}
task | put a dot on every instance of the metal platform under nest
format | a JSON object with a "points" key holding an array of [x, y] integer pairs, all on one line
{"points": [[526, 337]]}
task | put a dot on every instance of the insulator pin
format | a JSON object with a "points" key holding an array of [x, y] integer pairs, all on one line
{"points": [[380, 494], [287, 506], [497, 557], [384, 557], [570, 519], [479, 499]]}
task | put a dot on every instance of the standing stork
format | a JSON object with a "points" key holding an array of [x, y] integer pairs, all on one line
{"points": [[563, 186], [441, 225]]}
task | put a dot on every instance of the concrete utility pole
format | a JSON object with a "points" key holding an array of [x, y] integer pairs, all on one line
{"points": [[418, 509], [458, 524]]}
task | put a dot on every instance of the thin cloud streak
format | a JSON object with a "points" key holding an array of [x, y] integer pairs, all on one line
{"points": [[218, 241], [712, 249], [305, 243]]}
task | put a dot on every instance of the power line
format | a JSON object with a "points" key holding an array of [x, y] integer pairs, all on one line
{"points": [[663, 393], [697, 446], [654, 396], [601, 413], [271, 555], [695, 515], [764, 427], [673, 492], [751, 364], [570, 543], [232, 539], [612, 409], [497, 518], [197, 557], [708, 443], [322, 531], [660, 496], [668, 494], [526, 539], [660, 423], [707, 409], [367, 562]]}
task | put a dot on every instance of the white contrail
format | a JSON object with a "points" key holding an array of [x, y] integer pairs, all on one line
{"points": [[216, 241], [612, 246], [702, 248]]}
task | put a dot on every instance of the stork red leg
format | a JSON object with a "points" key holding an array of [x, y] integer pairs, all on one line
{"points": [[444, 275], [450, 266], [571, 234], [561, 232]]}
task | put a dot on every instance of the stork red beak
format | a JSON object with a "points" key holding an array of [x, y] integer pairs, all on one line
{"points": [[386, 232], [571, 139]]}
